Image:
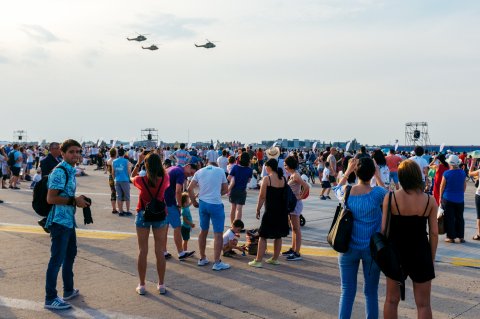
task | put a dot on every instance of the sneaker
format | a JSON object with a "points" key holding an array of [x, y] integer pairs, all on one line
{"points": [[127, 213], [272, 261], [228, 254], [323, 197], [71, 295], [256, 264], [121, 214], [1, 201], [294, 256], [288, 252], [220, 266], [167, 255], [57, 304], [186, 254], [203, 262], [328, 197], [162, 289], [114, 211], [140, 290]]}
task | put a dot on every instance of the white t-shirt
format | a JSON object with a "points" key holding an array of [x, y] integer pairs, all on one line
{"points": [[384, 175], [222, 162], [37, 178], [326, 174], [210, 180], [227, 236], [422, 163], [212, 156], [30, 158]]}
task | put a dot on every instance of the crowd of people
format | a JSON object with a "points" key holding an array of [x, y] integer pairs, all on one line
{"points": [[418, 182]]}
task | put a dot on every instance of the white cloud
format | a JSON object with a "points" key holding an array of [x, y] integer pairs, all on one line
{"points": [[39, 34]]}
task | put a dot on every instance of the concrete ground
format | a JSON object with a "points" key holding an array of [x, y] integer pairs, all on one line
{"points": [[105, 269]]}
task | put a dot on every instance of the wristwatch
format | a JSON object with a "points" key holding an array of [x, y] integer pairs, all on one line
{"points": [[72, 201]]}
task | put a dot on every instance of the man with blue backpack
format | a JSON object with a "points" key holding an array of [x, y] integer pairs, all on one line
{"points": [[61, 223]]}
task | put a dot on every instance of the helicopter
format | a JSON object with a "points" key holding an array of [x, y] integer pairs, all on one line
{"points": [[152, 47], [139, 38], [208, 45]]}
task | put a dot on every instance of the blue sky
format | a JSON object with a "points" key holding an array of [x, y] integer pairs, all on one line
{"points": [[327, 70]]}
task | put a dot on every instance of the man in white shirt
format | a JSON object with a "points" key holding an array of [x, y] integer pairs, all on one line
{"points": [[222, 161], [422, 163], [212, 155], [212, 184]]}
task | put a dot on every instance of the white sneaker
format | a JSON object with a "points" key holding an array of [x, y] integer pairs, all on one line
{"points": [[203, 262], [220, 266], [140, 290]]}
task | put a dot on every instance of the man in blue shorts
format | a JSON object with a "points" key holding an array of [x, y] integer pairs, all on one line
{"points": [[212, 184], [173, 199]]}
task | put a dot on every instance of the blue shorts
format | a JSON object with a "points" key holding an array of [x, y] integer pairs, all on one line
{"points": [[141, 223], [394, 176], [173, 216], [215, 212], [29, 165]]}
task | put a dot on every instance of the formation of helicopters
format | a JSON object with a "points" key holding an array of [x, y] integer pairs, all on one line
{"points": [[142, 37]]}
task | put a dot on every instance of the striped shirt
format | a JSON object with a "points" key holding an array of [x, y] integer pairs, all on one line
{"points": [[367, 215]]}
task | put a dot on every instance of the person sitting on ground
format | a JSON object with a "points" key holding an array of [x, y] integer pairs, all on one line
{"points": [[230, 241], [80, 171], [36, 178]]}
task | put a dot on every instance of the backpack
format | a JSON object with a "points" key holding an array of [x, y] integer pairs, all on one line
{"points": [[11, 158], [290, 197], [39, 202], [155, 210]]}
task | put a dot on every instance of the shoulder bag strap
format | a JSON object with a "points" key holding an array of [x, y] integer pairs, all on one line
{"points": [[389, 215], [146, 187], [426, 207], [347, 194], [159, 187]]}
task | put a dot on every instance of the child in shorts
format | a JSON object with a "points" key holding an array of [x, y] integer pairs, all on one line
{"points": [[187, 222], [36, 178], [326, 186], [230, 241]]}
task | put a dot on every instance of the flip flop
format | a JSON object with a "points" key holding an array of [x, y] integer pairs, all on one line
{"points": [[476, 237]]}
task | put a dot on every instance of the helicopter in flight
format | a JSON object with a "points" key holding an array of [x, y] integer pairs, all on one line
{"points": [[208, 45], [152, 47], [139, 38]]}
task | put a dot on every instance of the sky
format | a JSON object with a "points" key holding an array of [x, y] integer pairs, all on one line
{"points": [[327, 70]]}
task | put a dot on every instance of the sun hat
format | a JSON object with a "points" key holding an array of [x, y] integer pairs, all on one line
{"points": [[273, 152], [453, 160]]}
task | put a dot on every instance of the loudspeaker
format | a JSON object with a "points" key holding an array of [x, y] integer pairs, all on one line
{"points": [[20, 137], [149, 137], [416, 134]]}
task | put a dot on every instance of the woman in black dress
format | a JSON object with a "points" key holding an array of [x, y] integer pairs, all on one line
{"points": [[412, 209], [274, 223]]}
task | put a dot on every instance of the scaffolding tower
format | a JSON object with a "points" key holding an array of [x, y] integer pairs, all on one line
{"points": [[149, 137], [20, 137], [416, 134]]}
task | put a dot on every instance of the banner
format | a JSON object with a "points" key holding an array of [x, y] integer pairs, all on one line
{"points": [[442, 147], [396, 146], [314, 146], [274, 144], [215, 145], [347, 147]]}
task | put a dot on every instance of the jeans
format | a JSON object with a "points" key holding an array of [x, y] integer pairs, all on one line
{"points": [[348, 263], [453, 219], [63, 252]]}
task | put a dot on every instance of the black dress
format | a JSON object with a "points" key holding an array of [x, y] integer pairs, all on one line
{"points": [[274, 223], [409, 235]]}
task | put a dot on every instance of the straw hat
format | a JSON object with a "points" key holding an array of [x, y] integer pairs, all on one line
{"points": [[273, 152]]}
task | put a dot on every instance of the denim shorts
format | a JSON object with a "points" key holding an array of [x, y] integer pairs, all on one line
{"points": [[29, 165], [215, 212], [141, 223], [173, 216], [298, 208], [394, 177]]}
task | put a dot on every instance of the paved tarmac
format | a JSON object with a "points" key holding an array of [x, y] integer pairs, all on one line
{"points": [[105, 269]]}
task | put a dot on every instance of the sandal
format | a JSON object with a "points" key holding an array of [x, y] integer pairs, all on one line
{"points": [[476, 237]]}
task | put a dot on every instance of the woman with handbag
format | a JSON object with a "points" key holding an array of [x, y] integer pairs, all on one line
{"points": [[452, 199], [365, 203], [155, 182], [476, 173], [410, 211]]}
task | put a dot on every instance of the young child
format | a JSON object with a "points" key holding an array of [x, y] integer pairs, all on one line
{"points": [[326, 182], [187, 222], [36, 178], [230, 242]]}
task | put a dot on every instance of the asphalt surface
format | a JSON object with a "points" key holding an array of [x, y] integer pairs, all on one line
{"points": [[105, 269]]}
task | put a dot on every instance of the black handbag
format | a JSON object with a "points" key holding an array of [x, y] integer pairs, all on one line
{"points": [[290, 197], [385, 255], [155, 210], [340, 231]]}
